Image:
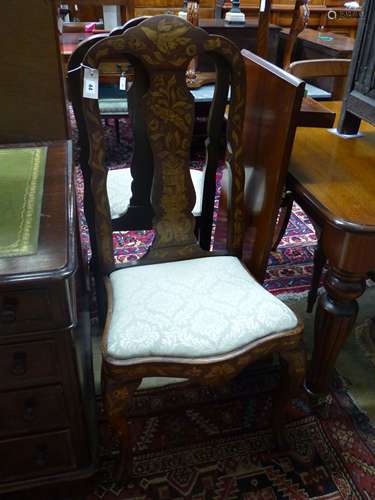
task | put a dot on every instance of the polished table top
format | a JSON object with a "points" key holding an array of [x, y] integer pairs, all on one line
{"points": [[337, 174]]}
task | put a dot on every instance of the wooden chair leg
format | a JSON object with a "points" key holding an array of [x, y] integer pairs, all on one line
{"points": [[319, 262], [101, 296], [117, 396], [283, 220], [293, 372]]}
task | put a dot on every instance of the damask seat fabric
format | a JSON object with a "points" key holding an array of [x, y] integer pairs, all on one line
{"points": [[193, 308], [119, 190]]}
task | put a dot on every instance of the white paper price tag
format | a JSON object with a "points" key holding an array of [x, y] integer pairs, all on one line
{"points": [[91, 83], [122, 82], [262, 7]]}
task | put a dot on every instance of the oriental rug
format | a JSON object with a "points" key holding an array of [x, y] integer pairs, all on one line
{"points": [[215, 444]]}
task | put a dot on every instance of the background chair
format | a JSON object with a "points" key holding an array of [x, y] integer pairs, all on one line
{"points": [[137, 213], [181, 312], [263, 29], [300, 19], [311, 69], [337, 69]]}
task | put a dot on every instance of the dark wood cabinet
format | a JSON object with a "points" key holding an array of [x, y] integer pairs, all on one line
{"points": [[359, 102], [45, 406]]}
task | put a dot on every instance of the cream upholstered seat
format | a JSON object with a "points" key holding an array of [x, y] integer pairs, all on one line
{"points": [[119, 190], [191, 308]]}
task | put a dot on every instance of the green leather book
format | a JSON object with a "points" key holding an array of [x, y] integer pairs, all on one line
{"points": [[21, 191]]}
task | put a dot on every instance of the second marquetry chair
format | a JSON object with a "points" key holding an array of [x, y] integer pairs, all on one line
{"points": [[337, 70], [128, 189], [268, 135], [181, 312]]}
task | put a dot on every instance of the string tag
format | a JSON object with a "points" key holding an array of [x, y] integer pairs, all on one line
{"points": [[262, 7], [91, 83], [122, 84]]}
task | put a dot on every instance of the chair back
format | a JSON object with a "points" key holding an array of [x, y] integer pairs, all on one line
{"points": [[338, 69], [75, 95], [300, 19], [160, 50], [273, 101], [143, 216], [263, 28]]}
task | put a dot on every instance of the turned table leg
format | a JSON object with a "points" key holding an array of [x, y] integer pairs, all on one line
{"points": [[335, 316]]}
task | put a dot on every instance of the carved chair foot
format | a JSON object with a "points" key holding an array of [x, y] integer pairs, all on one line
{"points": [[117, 396], [123, 469]]}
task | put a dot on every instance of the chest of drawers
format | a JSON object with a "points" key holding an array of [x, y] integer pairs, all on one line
{"points": [[46, 390]]}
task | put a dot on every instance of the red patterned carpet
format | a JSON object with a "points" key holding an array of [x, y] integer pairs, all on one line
{"points": [[290, 268], [204, 444]]}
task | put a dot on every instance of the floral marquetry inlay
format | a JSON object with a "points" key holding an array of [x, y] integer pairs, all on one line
{"points": [[161, 49]]}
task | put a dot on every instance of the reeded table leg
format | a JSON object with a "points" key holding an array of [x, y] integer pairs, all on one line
{"points": [[335, 316]]}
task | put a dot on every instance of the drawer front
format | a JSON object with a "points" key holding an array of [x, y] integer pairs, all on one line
{"points": [[35, 456], [37, 308], [32, 410], [25, 310], [29, 363]]}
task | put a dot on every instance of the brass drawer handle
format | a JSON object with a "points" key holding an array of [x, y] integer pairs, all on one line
{"points": [[8, 310], [19, 366], [28, 413], [41, 455]]}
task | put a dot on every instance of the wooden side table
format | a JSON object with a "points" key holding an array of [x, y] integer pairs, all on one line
{"points": [[46, 409], [332, 179], [313, 44]]}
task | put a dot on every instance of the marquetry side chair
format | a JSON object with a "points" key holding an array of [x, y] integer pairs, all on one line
{"points": [[181, 312]]}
